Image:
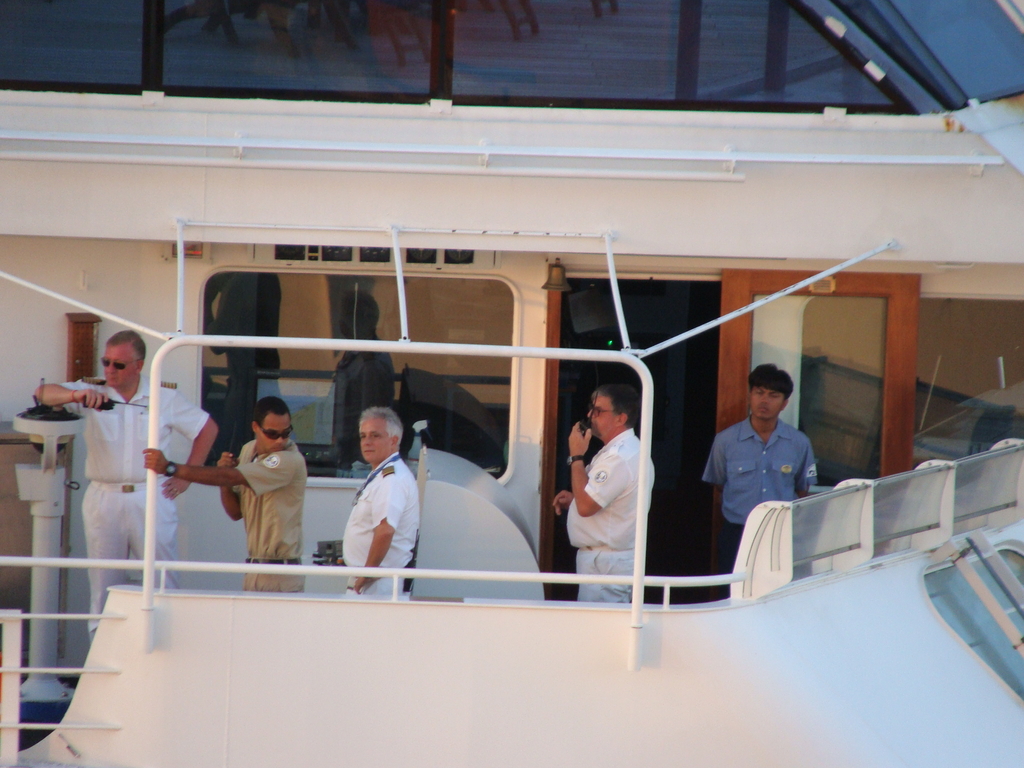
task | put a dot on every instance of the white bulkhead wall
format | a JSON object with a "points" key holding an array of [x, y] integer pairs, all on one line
{"points": [[777, 210]]}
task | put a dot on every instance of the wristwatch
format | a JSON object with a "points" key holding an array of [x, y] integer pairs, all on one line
{"points": [[571, 459], [171, 469]]}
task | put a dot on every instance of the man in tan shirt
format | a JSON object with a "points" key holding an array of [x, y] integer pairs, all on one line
{"points": [[265, 487]]}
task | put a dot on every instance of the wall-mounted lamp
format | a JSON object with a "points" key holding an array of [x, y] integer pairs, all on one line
{"points": [[556, 278]]}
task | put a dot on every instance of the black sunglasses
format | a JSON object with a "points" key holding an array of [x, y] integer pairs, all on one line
{"points": [[118, 366], [274, 434]]}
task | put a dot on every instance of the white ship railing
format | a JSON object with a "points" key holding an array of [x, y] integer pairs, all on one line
{"points": [[862, 519]]}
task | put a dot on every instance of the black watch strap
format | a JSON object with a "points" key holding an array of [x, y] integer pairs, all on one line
{"points": [[171, 469], [571, 459]]}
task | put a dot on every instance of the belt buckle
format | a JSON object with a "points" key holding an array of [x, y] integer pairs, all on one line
{"points": [[127, 488]]}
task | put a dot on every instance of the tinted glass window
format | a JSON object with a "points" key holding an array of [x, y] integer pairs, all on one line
{"points": [[463, 400], [970, 377], [710, 50], [85, 41], [365, 46], [974, 40]]}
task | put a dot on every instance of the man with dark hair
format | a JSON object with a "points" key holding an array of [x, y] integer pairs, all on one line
{"points": [[265, 487], [759, 459], [116, 411], [602, 502]]}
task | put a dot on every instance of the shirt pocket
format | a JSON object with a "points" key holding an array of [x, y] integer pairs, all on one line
{"points": [[742, 475], [785, 473]]}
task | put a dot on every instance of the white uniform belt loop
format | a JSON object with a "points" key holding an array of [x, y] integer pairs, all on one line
{"points": [[119, 487], [602, 548]]}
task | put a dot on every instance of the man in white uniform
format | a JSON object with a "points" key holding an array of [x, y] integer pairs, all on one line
{"points": [[115, 501], [603, 499], [381, 531]]}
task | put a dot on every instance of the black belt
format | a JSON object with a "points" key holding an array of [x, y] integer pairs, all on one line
{"points": [[270, 561]]}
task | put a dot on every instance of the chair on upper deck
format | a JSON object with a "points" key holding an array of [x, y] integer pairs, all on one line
{"points": [[514, 21]]}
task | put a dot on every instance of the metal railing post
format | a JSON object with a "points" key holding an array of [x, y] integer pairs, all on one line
{"points": [[10, 687]]}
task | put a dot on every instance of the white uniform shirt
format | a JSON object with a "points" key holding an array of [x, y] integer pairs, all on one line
{"points": [[116, 438], [391, 495], [611, 482]]}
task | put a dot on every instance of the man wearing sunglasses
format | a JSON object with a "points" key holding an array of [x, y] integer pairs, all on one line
{"points": [[265, 487], [603, 499], [116, 411]]}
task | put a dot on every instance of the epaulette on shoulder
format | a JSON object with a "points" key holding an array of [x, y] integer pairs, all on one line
{"points": [[169, 384], [387, 471], [94, 380]]}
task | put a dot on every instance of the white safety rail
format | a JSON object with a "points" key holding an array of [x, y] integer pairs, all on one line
{"points": [[12, 625], [861, 519], [12, 622]]}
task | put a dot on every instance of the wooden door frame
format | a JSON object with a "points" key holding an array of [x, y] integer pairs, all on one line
{"points": [[899, 382]]}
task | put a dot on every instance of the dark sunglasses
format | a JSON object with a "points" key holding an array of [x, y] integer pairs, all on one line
{"points": [[107, 363], [274, 434]]}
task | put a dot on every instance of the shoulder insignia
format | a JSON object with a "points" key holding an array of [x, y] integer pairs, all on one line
{"points": [[387, 471], [169, 384], [272, 461], [94, 380]]}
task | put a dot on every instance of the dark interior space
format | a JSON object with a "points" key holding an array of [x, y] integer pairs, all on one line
{"points": [[685, 388]]}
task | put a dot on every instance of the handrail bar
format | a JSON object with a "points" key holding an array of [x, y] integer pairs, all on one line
{"points": [[62, 670], [341, 571]]}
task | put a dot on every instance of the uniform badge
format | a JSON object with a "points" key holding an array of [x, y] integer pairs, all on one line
{"points": [[387, 471], [787, 468], [812, 471], [601, 476], [272, 461]]}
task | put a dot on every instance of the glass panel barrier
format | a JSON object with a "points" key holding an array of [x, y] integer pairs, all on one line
{"points": [[87, 41], [906, 504], [824, 525], [985, 483]]}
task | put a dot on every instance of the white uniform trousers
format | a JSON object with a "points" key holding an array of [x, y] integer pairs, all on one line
{"points": [[115, 530], [607, 562]]}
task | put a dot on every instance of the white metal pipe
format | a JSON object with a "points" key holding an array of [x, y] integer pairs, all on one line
{"points": [[430, 348], [10, 688], [386, 230], [235, 143], [190, 566], [403, 313], [891, 245], [432, 169], [613, 279], [179, 226], [82, 305]]}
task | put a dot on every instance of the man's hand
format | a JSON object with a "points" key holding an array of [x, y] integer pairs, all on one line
{"points": [[228, 460], [154, 459], [361, 583], [89, 398], [579, 442], [562, 501], [175, 486]]}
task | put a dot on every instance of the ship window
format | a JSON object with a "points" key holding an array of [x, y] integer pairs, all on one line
{"points": [[959, 605], [756, 51], [970, 376], [464, 400]]}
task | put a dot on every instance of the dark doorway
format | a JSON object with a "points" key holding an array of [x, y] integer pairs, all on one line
{"points": [[685, 390]]}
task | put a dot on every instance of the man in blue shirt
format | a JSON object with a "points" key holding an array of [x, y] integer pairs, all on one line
{"points": [[759, 459]]}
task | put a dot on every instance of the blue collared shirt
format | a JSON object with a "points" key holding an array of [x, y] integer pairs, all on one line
{"points": [[751, 471]]}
